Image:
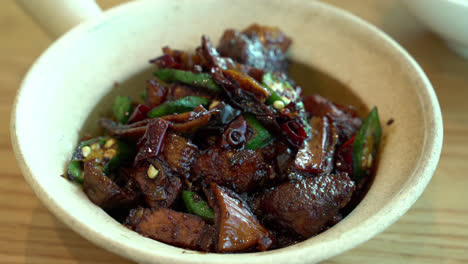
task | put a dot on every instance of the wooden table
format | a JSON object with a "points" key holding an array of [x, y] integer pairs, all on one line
{"points": [[435, 230]]}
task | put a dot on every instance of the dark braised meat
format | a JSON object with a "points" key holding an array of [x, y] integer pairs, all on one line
{"points": [[105, 193], [243, 92], [222, 153], [237, 228], [240, 170], [162, 190], [307, 206], [281, 157], [257, 46], [179, 154], [345, 118], [175, 228], [151, 142], [316, 155]]}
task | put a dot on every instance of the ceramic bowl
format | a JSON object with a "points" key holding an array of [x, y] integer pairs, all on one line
{"points": [[447, 18], [69, 81]]}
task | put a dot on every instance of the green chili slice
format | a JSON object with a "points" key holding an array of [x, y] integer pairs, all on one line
{"points": [[196, 205], [260, 137], [273, 85], [276, 85], [181, 105], [108, 153], [125, 153], [366, 144], [75, 171], [122, 108], [203, 80]]}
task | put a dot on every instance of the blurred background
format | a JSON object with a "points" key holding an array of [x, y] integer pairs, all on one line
{"points": [[435, 230]]}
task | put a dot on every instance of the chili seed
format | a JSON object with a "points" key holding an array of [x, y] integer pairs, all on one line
{"points": [[109, 143], [214, 104], [86, 150], [95, 146], [152, 172], [278, 105], [110, 153], [369, 161]]}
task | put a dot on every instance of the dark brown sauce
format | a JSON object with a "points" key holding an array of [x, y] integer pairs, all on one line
{"points": [[314, 81]]}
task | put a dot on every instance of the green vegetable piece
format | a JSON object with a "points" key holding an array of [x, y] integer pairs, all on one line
{"points": [[196, 205], [75, 168], [272, 84], [75, 171], [122, 108], [125, 153], [203, 80], [366, 144], [181, 105], [276, 86], [261, 137], [77, 153], [143, 95], [273, 97]]}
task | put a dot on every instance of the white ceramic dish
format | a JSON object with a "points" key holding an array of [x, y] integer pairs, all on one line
{"points": [[447, 18], [72, 76]]}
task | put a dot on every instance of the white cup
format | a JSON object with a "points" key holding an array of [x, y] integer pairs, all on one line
{"points": [[59, 16]]}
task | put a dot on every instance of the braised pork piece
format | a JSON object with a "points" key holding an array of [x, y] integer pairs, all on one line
{"points": [[223, 153]]}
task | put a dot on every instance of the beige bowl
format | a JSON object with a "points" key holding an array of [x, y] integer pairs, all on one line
{"points": [[76, 72]]}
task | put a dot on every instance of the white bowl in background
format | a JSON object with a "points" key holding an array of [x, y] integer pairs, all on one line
{"points": [[447, 18], [67, 82]]}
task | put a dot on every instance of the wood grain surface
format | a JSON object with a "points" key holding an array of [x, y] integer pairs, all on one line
{"points": [[435, 229]]}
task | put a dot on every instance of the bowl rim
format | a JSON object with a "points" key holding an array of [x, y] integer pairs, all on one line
{"points": [[398, 205]]}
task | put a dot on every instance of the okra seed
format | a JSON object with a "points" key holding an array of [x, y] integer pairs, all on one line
{"points": [[152, 172], [278, 105], [86, 150], [109, 143], [95, 146], [369, 161], [363, 161], [110, 153], [214, 104]]}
